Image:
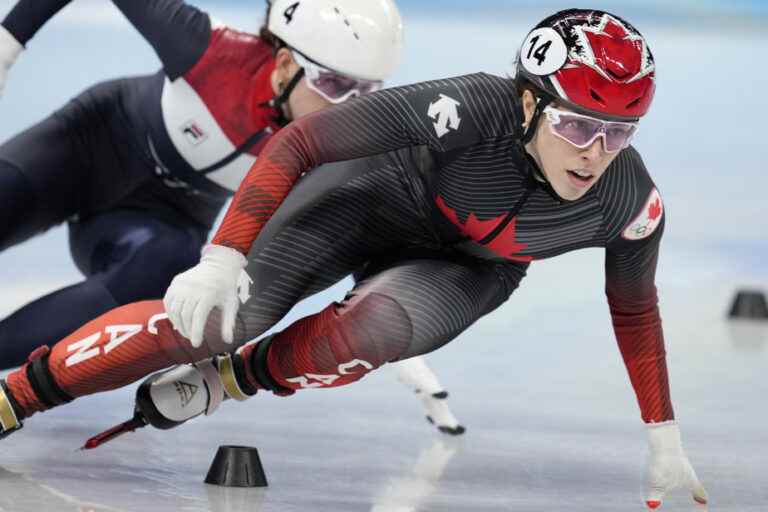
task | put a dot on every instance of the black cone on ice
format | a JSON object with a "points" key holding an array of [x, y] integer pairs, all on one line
{"points": [[749, 304], [236, 466]]}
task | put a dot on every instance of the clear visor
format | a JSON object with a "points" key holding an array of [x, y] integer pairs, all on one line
{"points": [[581, 130], [331, 85]]}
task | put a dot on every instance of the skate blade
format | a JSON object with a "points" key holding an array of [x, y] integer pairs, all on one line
{"points": [[116, 431]]}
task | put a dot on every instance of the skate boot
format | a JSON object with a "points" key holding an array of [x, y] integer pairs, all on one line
{"points": [[417, 376], [173, 397], [440, 415], [10, 419], [169, 398]]}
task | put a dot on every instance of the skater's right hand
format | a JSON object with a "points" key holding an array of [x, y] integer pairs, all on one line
{"points": [[212, 283], [10, 49], [669, 467]]}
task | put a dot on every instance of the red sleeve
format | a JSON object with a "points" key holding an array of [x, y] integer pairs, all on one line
{"points": [[631, 290], [281, 162]]}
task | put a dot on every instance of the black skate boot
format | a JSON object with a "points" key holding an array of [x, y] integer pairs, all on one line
{"points": [[10, 417]]}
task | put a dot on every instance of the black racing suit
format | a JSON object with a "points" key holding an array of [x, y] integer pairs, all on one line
{"points": [[463, 186], [444, 229]]}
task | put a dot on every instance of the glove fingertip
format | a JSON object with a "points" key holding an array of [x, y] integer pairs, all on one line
{"points": [[653, 497], [196, 334], [699, 492], [701, 500], [228, 321], [226, 332], [174, 314], [168, 304]]}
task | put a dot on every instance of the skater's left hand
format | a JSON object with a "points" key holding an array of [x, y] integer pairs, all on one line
{"points": [[669, 467], [212, 283]]}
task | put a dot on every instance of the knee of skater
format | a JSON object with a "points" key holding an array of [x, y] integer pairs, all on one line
{"points": [[376, 327], [213, 333]]}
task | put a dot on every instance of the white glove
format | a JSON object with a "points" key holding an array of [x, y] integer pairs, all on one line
{"points": [[10, 49], [668, 467], [209, 284]]}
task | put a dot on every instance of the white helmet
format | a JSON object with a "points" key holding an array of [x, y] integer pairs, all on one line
{"points": [[358, 38]]}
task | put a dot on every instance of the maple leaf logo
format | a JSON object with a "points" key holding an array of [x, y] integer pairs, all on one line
{"points": [[504, 244], [654, 209], [647, 220], [613, 50]]}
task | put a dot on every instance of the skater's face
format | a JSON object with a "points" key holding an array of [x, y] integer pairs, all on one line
{"points": [[302, 100], [571, 170]]}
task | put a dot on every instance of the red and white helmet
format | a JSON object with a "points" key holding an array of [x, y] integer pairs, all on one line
{"points": [[590, 60]]}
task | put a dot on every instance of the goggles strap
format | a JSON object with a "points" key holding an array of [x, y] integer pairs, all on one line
{"points": [[278, 102]]}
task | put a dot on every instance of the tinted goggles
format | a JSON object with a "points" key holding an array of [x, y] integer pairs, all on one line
{"points": [[331, 85], [581, 130]]}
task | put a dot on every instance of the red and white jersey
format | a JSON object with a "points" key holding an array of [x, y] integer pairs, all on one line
{"points": [[204, 117], [216, 115]]}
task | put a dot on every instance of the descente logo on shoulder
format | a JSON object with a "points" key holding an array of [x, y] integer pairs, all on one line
{"points": [[647, 220], [445, 112]]}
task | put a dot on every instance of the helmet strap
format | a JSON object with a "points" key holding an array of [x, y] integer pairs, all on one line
{"points": [[279, 102], [535, 175], [531, 130]]}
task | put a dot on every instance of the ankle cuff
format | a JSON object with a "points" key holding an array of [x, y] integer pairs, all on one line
{"points": [[260, 370], [41, 380]]}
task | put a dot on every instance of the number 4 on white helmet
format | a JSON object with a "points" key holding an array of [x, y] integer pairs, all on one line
{"points": [[357, 38]]}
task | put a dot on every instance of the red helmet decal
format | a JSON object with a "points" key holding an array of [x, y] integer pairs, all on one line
{"points": [[610, 48], [610, 68]]}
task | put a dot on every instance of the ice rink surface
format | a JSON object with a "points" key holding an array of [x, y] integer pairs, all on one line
{"points": [[552, 420]]}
